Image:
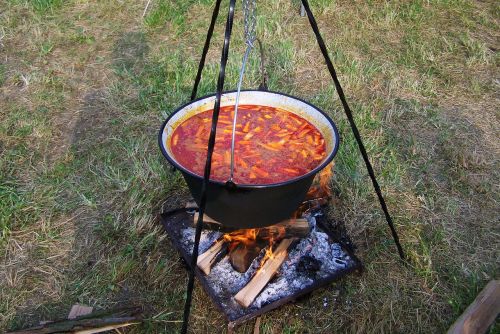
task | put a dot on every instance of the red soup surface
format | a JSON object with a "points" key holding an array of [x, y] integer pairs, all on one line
{"points": [[272, 145]]}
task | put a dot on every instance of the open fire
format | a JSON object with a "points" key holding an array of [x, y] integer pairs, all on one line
{"points": [[250, 271], [270, 244], [244, 245]]}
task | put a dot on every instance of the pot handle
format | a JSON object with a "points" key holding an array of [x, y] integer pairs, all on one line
{"points": [[250, 23], [262, 87]]}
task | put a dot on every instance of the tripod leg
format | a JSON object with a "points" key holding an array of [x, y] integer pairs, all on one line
{"points": [[208, 164], [210, 32], [354, 128]]}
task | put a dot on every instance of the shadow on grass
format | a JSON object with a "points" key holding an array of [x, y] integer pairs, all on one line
{"points": [[115, 184]]}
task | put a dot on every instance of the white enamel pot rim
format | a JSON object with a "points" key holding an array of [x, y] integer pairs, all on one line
{"points": [[253, 97]]}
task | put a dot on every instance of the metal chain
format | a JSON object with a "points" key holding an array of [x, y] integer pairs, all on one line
{"points": [[250, 23], [250, 20]]}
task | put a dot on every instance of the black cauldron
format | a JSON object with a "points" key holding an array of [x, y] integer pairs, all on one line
{"points": [[251, 206]]}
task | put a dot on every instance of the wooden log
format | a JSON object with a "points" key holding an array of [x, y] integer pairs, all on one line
{"points": [[93, 323], [247, 295], [286, 229], [242, 256], [211, 256], [298, 228], [481, 313]]}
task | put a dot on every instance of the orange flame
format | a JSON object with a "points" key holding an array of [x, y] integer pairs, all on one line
{"points": [[319, 194], [267, 256], [243, 235], [325, 179], [249, 237], [320, 191], [246, 236], [321, 184]]}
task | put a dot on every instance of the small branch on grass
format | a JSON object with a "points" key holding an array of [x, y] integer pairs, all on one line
{"points": [[256, 327], [79, 310], [93, 323]]}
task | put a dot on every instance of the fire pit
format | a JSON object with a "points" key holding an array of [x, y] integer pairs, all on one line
{"points": [[249, 272]]}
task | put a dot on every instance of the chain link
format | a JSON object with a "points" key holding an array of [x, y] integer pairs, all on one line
{"points": [[250, 20]]}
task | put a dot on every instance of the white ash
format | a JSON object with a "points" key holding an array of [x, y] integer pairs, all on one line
{"points": [[207, 238], [290, 280], [226, 281]]}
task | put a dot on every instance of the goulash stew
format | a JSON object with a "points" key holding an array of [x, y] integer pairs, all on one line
{"points": [[272, 145]]}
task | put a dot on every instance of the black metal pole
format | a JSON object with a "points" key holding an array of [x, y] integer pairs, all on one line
{"points": [[354, 128], [208, 164], [210, 32]]}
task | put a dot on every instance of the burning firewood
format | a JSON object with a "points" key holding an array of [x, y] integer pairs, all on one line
{"points": [[286, 229], [211, 256], [245, 244], [298, 228], [247, 295], [252, 241], [242, 256]]}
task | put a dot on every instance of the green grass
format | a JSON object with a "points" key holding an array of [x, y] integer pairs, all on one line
{"points": [[40, 6], [84, 87], [12, 203], [3, 74], [165, 12]]}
